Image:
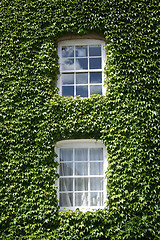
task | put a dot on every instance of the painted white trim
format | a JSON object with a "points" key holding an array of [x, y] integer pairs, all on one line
{"points": [[79, 143], [81, 42], [83, 143]]}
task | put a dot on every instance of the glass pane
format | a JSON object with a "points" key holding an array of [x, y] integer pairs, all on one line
{"points": [[96, 183], [68, 91], [81, 169], [66, 184], [95, 63], [67, 78], [68, 51], [66, 169], [66, 199], [68, 64], [81, 154], [96, 168], [96, 199], [81, 184], [96, 77], [81, 199], [82, 91], [66, 154], [81, 78], [96, 154], [94, 50], [81, 51], [95, 89], [81, 63]]}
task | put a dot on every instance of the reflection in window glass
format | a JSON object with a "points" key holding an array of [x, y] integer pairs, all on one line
{"points": [[67, 51], [94, 50], [68, 64], [95, 89], [81, 78], [67, 91], [67, 78], [81, 51], [81, 63], [95, 77], [82, 91], [95, 63]]}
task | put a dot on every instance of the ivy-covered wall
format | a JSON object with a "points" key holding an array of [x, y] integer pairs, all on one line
{"points": [[34, 118]]}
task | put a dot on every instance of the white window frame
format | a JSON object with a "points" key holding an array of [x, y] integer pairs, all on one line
{"points": [[83, 143], [82, 42]]}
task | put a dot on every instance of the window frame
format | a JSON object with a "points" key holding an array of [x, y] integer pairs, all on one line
{"points": [[82, 143], [82, 42]]}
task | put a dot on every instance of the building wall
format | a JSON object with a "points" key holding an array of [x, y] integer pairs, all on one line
{"points": [[34, 118]]}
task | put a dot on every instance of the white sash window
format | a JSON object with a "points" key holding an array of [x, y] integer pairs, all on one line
{"points": [[81, 67], [82, 167]]}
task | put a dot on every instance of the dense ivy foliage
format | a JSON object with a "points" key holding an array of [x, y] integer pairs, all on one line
{"points": [[78, 225], [34, 118]]}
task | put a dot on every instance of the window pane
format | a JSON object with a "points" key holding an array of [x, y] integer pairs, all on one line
{"points": [[81, 169], [81, 51], [66, 184], [66, 199], [96, 77], [94, 50], [81, 199], [96, 199], [66, 154], [66, 169], [81, 184], [81, 154], [95, 63], [96, 154], [96, 168], [82, 78], [96, 183], [68, 51], [68, 91], [82, 91], [81, 63], [67, 78], [68, 64], [95, 89]]}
